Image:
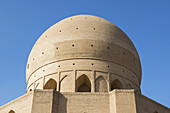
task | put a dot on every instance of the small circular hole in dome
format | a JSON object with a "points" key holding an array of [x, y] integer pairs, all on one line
{"points": [[77, 28], [91, 45], [27, 66], [56, 47], [73, 45], [73, 63]]}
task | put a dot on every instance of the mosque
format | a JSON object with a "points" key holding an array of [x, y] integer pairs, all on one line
{"points": [[83, 64]]}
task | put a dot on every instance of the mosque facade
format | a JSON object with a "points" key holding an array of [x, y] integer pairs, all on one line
{"points": [[83, 64]]}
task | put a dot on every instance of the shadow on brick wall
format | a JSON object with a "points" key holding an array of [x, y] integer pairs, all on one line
{"points": [[59, 103]]}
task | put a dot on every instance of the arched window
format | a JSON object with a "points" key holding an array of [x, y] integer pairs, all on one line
{"points": [[51, 84], [83, 84], [116, 85], [11, 111], [101, 85]]}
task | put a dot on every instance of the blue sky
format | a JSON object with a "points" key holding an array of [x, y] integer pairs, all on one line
{"points": [[146, 22]]}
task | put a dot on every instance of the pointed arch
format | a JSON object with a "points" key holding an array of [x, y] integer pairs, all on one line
{"points": [[51, 84], [11, 111], [129, 86], [101, 85], [83, 84], [36, 86], [116, 84]]}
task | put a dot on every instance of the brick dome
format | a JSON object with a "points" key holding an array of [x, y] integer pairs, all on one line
{"points": [[85, 45]]}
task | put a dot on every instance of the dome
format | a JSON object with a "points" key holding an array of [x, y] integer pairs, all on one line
{"points": [[85, 48]]}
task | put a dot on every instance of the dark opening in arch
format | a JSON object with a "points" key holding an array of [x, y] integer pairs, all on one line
{"points": [[83, 84], [116, 85], [11, 111], [51, 84]]}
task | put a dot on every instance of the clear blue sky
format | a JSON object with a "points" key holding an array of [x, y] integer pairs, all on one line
{"points": [[146, 22]]}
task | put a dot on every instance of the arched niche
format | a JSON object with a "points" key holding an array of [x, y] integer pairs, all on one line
{"points": [[83, 84], [129, 86], [51, 84], [11, 111], [101, 85], [116, 84]]}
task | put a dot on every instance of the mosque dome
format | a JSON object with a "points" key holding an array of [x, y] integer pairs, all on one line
{"points": [[83, 53]]}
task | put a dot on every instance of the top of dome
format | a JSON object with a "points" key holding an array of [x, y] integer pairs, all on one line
{"points": [[87, 28]]}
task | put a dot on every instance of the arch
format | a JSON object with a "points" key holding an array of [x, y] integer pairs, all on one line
{"points": [[101, 85], [51, 84], [129, 86], [83, 84], [36, 86], [116, 84], [65, 84], [11, 111]]}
